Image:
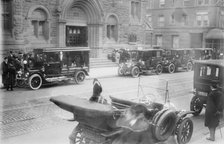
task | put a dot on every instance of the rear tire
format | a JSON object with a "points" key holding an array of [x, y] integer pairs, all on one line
{"points": [[189, 66], [120, 71], [171, 68], [196, 105], [135, 71], [159, 69], [79, 77]]}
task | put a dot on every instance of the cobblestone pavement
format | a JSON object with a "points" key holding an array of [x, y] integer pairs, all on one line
{"points": [[25, 120]]}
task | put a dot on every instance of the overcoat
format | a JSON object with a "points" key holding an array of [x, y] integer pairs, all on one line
{"points": [[214, 104]]}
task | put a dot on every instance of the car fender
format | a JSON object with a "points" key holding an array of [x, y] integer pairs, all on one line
{"points": [[86, 72]]}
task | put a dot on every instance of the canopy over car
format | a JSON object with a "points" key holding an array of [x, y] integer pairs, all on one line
{"points": [[58, 49]]}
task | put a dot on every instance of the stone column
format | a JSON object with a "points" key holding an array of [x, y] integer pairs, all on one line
{"points": [[18, 20], [61, 33]]}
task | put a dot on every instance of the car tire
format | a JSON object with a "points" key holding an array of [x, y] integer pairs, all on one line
{"points": [[189, 66], [135, 72], [35, 81], [159, 69], [171, 68], [120, 71], [196, 105], [79, 77], [185, 131], [164, 124], [20, 83]]}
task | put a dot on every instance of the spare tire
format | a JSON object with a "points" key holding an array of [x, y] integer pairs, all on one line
{"points": [[164, 124]]}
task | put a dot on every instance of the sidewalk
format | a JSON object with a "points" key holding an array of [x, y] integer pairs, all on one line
{"points": [[104, 72]]}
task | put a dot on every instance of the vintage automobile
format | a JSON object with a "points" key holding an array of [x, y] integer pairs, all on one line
{"points": [[184, 58], [54, 65], [142, 61], [125, 121], [206, 73]]}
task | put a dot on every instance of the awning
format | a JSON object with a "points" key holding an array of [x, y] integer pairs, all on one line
{"points": [[215, 34]]}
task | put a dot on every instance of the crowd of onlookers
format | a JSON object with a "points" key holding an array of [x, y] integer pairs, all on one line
{"points": [[10, 65]]}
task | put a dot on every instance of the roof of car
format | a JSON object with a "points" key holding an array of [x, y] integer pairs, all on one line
{"points": [[58, 49], [145, 50], [219, 62], [179, 49]]}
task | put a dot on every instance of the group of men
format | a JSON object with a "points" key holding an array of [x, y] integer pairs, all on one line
{"points": [[9, 67]]}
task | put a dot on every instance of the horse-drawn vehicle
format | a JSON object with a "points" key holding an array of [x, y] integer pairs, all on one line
{"points": [[52, 65], [206, 73], [125, 121]]}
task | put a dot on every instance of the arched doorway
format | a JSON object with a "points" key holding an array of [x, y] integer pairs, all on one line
{"points": [[81, 25]]}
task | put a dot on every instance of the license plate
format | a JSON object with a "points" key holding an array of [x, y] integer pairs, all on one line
{"points": [[202, 93]]}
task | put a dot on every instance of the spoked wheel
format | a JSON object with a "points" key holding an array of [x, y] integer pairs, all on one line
{"points": [[20, 83], [120, 71], [185, 131], [171, 68], [189, 66], [159, 69], [79, 77], [35, 81], [196, 105], [135, 72]]}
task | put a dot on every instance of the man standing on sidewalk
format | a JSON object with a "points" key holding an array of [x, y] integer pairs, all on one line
{"points": [[214, 110]]}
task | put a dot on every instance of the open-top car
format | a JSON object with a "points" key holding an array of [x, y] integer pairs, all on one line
{"points": [[184, 58], [142, 61], [126, 121], [56, 64], [206, 73]]}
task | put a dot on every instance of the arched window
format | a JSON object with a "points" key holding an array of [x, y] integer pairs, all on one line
{"points": [[112, 28], [40, 24]]}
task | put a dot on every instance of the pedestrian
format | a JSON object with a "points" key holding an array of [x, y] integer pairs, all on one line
{"points": [[11, 72], [214, 110], [4, 67]]}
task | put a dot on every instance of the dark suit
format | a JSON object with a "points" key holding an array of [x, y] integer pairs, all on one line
{"points": [[214, 108]]}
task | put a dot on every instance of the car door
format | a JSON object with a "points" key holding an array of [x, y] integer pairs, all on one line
{"points": [[52, 65]]}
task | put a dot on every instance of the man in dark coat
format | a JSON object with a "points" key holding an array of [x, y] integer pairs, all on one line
{"points": [[4, 67], [214, 110], [11, 72]]}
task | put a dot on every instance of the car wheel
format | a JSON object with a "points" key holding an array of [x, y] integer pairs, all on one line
{"points": [[196, 105], [20, 83], [79, 77], [171, 68], [164, 124], [35, 81], [159, 69], [135, 71], [120, 71], [189, 66], [185, 131]]}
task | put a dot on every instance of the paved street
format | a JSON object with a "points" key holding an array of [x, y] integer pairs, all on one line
{"points": [[29, 117]]}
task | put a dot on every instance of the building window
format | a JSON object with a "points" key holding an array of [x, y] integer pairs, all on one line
{"points": [[159, 40], [112, 28], [136, 10], [149, 18], [203, 2], [184, 20], [161, 3], [132, 38], [6, 15], [175, 41], [161, 21], [150, 4], [202, 19], [40, 24], [187, 3], [221, 19], [172, 19]]}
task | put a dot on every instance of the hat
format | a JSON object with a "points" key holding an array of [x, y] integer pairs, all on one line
{"points": [[214, 85]]}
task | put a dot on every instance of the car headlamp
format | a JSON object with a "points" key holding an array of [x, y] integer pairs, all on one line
{"points": [[25, 62]]}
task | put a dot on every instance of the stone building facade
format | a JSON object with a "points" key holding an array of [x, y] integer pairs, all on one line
{"points": [[187, 23], [97, 24]]}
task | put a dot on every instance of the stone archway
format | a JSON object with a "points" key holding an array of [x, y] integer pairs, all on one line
{"points": [[87, 13]]}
